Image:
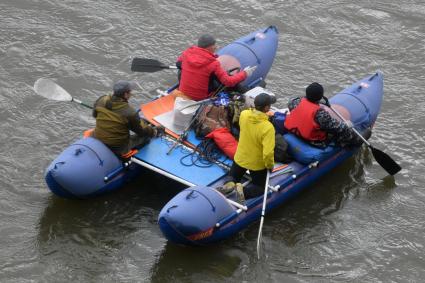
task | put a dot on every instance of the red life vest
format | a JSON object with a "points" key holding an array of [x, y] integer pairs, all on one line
{"points": [[302, 123]]}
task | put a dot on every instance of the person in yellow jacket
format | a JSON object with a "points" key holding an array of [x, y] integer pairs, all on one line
{"points": [[115, 118], [255, 150]]}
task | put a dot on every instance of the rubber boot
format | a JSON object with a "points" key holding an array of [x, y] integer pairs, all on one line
{"points": [[227, 188], [239, 193]]}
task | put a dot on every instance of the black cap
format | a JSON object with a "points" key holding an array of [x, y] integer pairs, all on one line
{"points": [[206, 40], [314, 92], [263, 99]]}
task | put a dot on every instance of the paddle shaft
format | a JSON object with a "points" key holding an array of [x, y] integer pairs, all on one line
{"points": [[81, 103], [263, 212], [345, 121]]}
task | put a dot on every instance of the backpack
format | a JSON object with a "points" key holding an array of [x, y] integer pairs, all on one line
{"points": [[281, 150], [211, 117]]}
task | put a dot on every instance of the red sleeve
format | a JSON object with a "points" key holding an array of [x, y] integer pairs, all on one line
{"points": [[226, 79]]}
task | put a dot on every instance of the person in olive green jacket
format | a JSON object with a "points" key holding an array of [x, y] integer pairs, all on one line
{"points": [[255, 150], [115, 118]]}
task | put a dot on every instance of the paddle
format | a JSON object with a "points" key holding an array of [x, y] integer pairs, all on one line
{"points": [[148, 65], [50, 90], [381, 157], [263, 212]]}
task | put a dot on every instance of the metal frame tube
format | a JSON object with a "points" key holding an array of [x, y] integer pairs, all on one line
{"points": [[162, 172]]}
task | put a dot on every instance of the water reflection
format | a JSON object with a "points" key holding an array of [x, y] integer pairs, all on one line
{"points": [[301, 218], [89, 235], [196, 264], [312, 224]]}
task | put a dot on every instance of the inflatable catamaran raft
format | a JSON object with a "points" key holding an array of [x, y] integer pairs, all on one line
{"points": [[200, 214]]}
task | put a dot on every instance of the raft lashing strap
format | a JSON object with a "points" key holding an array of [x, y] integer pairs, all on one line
{"points": [[247, 47], [373, 76], [359, 100], [259, 199], [270, 27], [78, 151], [189, 195]]}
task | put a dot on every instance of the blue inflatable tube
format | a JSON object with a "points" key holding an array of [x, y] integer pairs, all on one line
{"points": [[201, 215], [86, 168], [255, 49]]}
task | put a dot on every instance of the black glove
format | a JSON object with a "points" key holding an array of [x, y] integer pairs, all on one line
{"points": [[159, 131], [367, 133], [326, 101]]}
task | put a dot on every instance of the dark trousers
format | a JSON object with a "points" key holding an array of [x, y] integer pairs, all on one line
{"points": [[256, 187], [134, 142]]}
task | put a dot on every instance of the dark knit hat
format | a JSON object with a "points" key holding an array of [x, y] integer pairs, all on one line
{"points": [[206, 40], [121, 87], [314, 92], [263, 99]]}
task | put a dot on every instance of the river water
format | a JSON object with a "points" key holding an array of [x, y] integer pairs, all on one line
{"points": [[355, 225]]}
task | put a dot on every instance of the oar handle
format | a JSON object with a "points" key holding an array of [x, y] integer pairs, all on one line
{"points": [[81, 103]]}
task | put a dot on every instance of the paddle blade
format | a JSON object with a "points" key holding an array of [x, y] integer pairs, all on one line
{"points": [[385, 161], [50, 90], [147, 65], [260, 236]]}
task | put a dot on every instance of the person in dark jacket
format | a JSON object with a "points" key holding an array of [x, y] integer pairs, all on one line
{"points": [[310, 121], [115, 118], [199, 65]]}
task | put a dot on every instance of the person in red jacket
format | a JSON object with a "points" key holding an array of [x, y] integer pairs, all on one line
{"points": [[199, 66]]}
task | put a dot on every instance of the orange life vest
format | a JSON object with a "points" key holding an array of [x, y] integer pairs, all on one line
{"points": [[302, 123]]}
